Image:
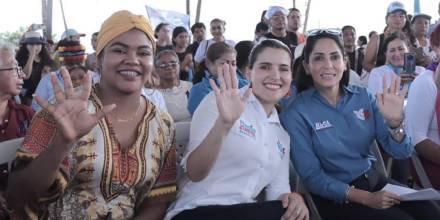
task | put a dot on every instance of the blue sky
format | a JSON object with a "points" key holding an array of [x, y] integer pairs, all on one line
{"points": [[241, 15]]}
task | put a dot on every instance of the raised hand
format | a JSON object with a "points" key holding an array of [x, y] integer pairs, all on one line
{"points": [[390, 102], [70, 110], [229, 102]]}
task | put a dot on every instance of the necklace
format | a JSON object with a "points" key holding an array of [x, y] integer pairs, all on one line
{"points": [[128, 119]]}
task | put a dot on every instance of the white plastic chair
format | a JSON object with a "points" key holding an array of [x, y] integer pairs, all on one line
{"points": [[182, 139], [8, 149]]}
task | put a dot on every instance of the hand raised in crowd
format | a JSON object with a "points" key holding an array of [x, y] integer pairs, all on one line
{"points": [[32, 49], [229, 102], [390, 102], [382, 200], [296, 209], [70, 110]]}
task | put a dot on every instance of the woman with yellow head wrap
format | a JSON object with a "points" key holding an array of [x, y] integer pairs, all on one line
{"points": [[104, 152]]}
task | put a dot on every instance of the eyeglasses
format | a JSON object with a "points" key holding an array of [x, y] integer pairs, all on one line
{"points": [[172, 64], [332, 31], [17, 69]]}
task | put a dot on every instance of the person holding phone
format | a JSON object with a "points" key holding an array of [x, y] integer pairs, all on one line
{"points": [[398, 62]]}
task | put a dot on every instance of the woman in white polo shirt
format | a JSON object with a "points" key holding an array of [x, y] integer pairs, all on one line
{"points": [[238, 147]]}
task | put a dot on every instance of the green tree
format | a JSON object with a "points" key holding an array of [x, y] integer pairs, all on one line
{"points": [[13, 37]]}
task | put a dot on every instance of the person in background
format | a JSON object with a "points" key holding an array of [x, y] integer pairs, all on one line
{"points": [[261, 29], [243, 49], [362, 43], [180, 42], [14, 118], [355, 56], [163, 35], [420, 24], [238, 148], [218, 54], [174, 90], [395, 47], [217, 31], [104, 152], [277, 17], [91, 62], [294, 23], [332, 126], [198, 31], [72, 56], [396, 20], [32, 56], [50, 47], [72, 35], [423, 113]]}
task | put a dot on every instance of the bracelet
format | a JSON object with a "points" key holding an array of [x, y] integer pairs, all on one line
{"points": [[397, 130], [346, 193]]}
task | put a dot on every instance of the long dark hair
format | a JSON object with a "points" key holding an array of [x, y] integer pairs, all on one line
{"points": [[303, 80], [23, 55]]}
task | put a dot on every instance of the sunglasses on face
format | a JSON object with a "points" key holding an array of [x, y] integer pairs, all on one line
{"points": [[18, 70], [172, 64], [332, 31]]}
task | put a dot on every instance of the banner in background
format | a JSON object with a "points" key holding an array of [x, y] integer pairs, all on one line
{"points": [[158, 16]]}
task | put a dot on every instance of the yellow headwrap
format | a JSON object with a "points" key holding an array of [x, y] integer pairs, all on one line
{"points": [[121, 22]]}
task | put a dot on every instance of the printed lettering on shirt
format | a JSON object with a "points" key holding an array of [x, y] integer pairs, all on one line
{"points": [[322, 125], [362, 114], [246, 129], [281, 148]]}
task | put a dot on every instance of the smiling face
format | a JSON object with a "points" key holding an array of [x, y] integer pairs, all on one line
{"points": [[326, 64], [126, 62], [217, 29], [167, 67], [271, 75], [10, 82], [395, 52]]}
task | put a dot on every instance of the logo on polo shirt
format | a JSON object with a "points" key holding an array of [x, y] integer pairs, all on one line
{"points": [[247, 129], [362, 114], [281, 148], [322, 125]]}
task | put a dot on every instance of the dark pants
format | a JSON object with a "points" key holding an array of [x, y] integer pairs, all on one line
{"points": [[248, 211], [373, 181]]}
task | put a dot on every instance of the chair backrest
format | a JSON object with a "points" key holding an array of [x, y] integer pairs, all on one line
{"points": [[420, 171], [8, 149], [182, 139], [300, 188], [379, 165]]}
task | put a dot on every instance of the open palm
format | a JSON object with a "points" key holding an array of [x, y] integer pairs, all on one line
{"points": [[390, 102], [70, 109], [229, 102]]}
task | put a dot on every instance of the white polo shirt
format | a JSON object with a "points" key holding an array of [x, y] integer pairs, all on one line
{"points": [[255, 155], [420, 115], [376, 77]]}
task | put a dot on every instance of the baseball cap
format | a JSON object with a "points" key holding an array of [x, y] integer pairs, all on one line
{"points": [[273, 10], [71, 33], [396, 6], [417, 15]]}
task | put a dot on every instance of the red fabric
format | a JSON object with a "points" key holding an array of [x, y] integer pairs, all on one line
{"points": [[20, 117]]}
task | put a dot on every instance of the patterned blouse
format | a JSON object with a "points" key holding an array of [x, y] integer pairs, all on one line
{"points": [[99, 179]]}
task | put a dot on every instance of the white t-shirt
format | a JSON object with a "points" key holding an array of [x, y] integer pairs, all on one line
{"points": [[156, 97], [176, 100], [203, 48], [376, 77], [420, 115], [255, 155]]}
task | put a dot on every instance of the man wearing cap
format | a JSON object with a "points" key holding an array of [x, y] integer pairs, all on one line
{"points": [[277, 17], [420, 24]]}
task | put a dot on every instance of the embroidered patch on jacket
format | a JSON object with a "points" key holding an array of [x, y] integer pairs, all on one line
{"points": [[247, 129], [281, 148], [362, 114], [322, 125]]}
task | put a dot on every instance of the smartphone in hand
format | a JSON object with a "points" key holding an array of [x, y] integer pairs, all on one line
{"points": [[409, 63]]}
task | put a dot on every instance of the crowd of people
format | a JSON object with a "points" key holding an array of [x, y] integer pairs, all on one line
{"points": [[99, 128]]}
